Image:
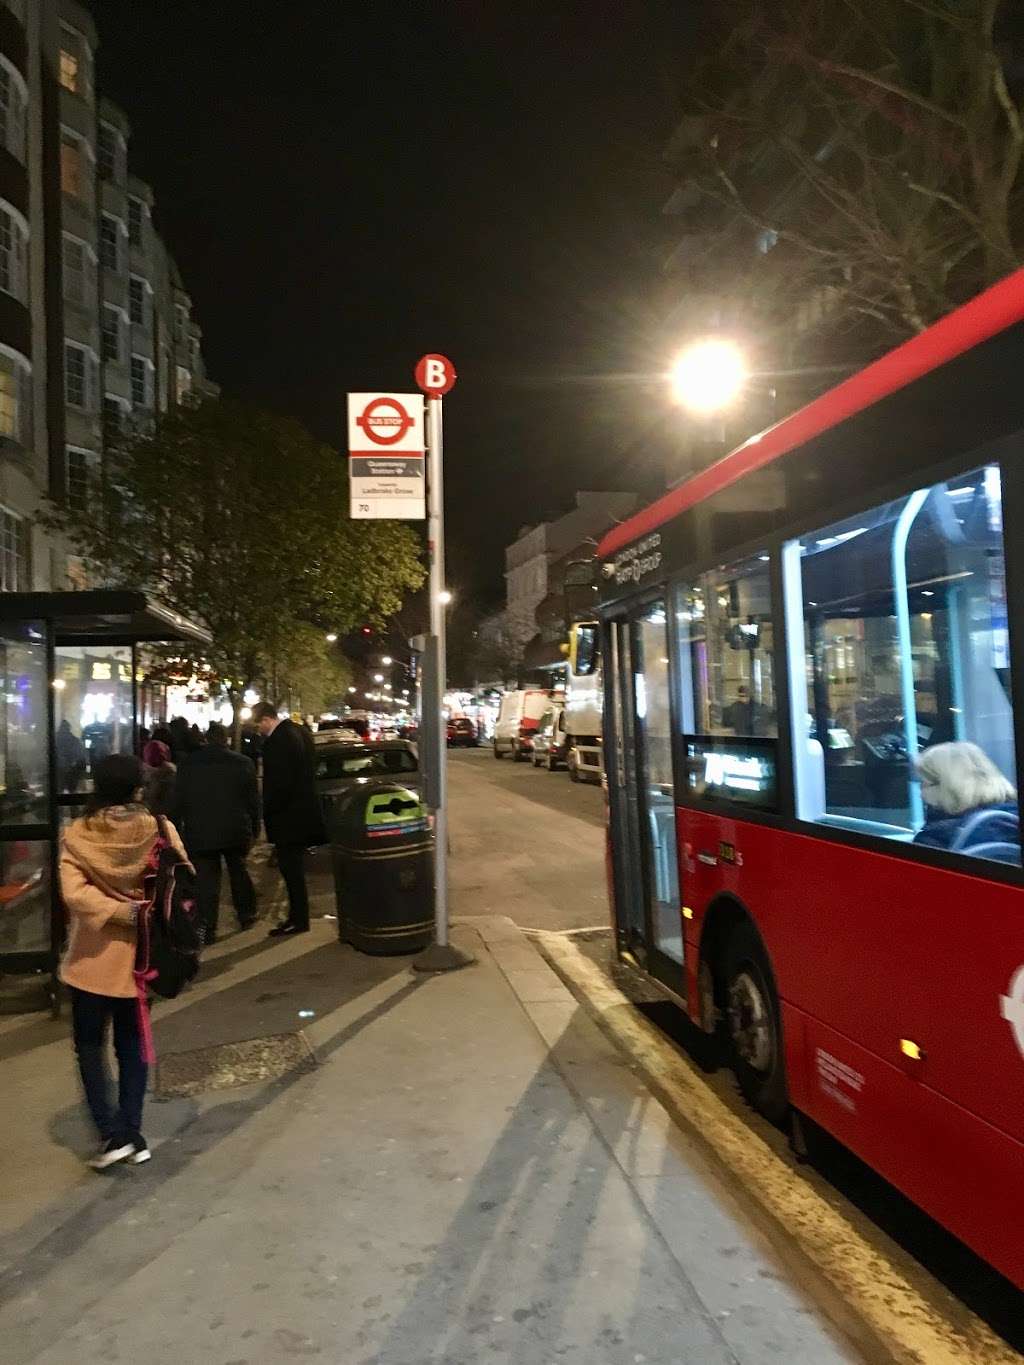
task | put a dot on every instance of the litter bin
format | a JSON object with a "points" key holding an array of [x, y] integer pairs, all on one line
{"points": [[382, 854]]}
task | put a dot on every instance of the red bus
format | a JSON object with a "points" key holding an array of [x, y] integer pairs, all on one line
{"points": [[814, 657]]}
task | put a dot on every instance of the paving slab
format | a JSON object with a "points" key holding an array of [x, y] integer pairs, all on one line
{"points": [[446, 1185]]}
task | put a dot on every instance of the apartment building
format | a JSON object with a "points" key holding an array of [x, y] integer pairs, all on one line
{"points": [[529, 558], [97, 330]]}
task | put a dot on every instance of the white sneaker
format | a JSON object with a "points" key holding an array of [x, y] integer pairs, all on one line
{"points": [[140, 1150], [112, 1151]]}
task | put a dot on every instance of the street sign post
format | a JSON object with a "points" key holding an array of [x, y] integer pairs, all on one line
{"points": [[385, 446], [435, 374]]}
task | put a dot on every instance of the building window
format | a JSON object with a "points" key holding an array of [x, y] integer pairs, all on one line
{"points": [[111, 333], [14, 564], [136, 221], [13, 254], [110, 242], [79, 271], [69, 70], [79, 466], [137, 300], [75, 63], [110, 153], [180, 323], [115, 418], [72, 165], [142, 382], [8, 403], [182, 384], [15, 399], [79, 381], [13, 109]]}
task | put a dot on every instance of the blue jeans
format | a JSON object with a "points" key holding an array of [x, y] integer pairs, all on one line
{"points": [[89, 1015]]}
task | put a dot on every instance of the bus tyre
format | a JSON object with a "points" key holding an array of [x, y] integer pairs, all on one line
{"points": [[497, 751], [517, 753], [574, 772], [753, 1027]]}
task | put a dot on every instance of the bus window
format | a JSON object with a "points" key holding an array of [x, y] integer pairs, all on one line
{"points": [[907, 653], [584, 652], [724, 630]]}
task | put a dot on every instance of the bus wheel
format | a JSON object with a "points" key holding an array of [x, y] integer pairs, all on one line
{"points": [[752, 1024], [570, 763], [497, 751]]}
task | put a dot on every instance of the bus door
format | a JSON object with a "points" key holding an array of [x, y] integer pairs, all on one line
{"points": [[647, 865]]}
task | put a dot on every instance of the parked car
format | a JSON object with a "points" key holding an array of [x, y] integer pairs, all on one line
{"points": [[343, 734], [551, 741], [518, 718], [346, 766], [461, 732]]}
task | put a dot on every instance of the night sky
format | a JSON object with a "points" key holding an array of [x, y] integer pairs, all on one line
{"points": [[346, 186]]}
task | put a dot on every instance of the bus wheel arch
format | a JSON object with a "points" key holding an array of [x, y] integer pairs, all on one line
{"points": [[735, 964]]}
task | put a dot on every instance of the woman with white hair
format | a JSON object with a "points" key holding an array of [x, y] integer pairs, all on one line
{"points": [[970, 804]]}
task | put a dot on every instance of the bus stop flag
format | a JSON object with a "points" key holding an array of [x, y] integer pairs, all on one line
{"points": [[386, 463]]}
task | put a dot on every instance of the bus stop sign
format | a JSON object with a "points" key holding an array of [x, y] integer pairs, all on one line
{"points": [[435, 375]]}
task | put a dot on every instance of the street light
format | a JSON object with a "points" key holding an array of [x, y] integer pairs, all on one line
{"points": [[444, 597], [378, 677], [709, 375], [352, 690], [386, 660], [330, 637]]}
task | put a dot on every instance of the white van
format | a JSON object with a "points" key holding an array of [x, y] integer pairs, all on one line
{"points": [[518, 717]]}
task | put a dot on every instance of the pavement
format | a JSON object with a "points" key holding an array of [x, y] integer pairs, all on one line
{"points": [[359, 1164]]}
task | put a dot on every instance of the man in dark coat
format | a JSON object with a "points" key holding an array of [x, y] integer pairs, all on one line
{"points": [[217, 811], [291, 811]]}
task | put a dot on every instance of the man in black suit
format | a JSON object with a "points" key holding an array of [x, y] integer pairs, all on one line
{"points": [[291, 811], [216, 807]]}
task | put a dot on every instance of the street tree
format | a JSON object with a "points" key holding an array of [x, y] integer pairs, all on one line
{"points": [[239, 520], [862, 159]]}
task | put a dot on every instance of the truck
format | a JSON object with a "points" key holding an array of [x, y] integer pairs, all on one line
{"points": [[584, 703]]}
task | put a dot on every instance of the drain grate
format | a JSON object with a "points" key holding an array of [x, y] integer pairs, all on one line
{"points": [[228, 1064]]}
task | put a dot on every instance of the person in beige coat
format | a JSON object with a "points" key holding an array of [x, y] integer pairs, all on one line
{"points": [[103, 860]]}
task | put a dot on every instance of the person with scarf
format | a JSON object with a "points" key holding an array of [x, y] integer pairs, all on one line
{"points": [[103, 861]]}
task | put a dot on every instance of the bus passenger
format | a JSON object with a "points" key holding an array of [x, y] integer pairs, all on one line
{"points": [[970, 806]]}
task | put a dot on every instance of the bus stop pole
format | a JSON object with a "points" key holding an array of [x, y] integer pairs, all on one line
{"points": [[441, 956]]}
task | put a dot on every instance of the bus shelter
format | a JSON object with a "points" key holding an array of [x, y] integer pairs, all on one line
{"points": [[69, 695]]}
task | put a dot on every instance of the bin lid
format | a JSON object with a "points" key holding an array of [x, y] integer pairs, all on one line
{"points": [[380, 817]]}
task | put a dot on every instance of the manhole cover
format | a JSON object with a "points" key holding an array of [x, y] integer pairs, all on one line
{"points": [[227, 1064]]}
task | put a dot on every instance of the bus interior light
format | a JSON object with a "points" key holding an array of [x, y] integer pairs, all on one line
{"points": [[911, 1049]]}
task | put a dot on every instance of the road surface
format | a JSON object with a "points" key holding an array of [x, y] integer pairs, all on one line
{"points": [[546, 832]]}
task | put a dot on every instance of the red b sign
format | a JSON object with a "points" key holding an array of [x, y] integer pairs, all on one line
{"points": [[435, 374]]}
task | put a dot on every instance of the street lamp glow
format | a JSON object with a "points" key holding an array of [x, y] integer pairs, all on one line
{"points": [[444, 597], [709, 375], [330, 637], [386, 660], [352, 689], [378, 677]]}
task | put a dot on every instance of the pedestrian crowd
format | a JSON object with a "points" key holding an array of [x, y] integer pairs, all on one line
{"points": [[196, 796]]}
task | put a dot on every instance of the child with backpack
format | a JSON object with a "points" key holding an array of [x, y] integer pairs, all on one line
{"points": [[116, 861]]}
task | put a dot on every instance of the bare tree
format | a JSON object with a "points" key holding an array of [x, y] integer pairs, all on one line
{"points": [[861, 159]]}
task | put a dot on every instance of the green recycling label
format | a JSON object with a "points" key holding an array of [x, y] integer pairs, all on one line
{"points": [[396, 812]]}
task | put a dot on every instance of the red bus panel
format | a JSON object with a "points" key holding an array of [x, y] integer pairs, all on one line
{"points": [[851, 937]]}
